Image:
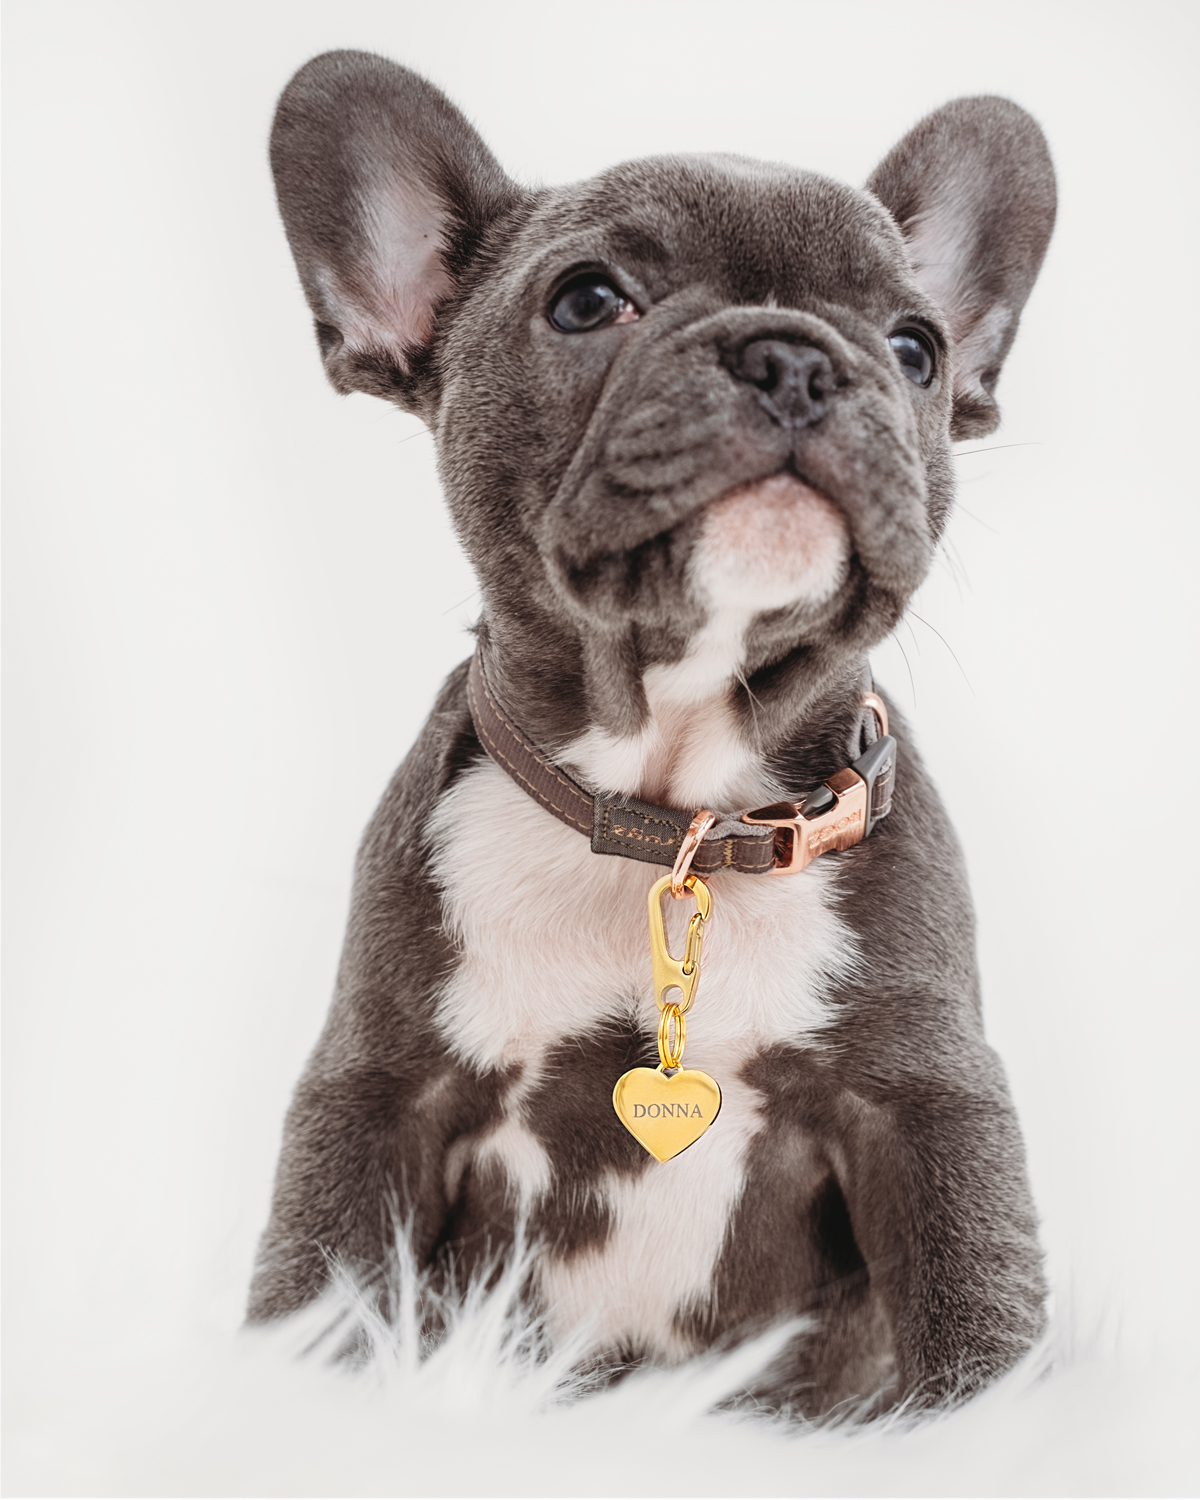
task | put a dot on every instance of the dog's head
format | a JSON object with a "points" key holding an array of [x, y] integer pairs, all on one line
{"points": [[691, 392]]}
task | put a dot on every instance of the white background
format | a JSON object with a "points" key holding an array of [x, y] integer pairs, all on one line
{"points": [[231, 596]]}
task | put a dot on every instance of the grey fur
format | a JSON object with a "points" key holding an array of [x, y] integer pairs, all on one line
{"points": [[890, 1194]]}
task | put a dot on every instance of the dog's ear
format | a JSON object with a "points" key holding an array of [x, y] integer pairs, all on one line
{"points": [[386, 193], [972, 189]]}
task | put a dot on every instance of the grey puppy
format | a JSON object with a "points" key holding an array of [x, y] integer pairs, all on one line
{"points": [[693, 419]]}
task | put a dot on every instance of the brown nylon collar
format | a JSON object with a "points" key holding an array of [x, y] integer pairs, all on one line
{"points": [[627, 825]]}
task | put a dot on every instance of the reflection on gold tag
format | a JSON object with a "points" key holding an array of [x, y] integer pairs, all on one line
{"points": [[665, 1114]]}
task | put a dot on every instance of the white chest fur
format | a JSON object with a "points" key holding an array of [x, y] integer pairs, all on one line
{"points": [[557, 944]]}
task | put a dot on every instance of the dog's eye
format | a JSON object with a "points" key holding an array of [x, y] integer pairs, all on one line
{"points": [[590, 301], [915, 355]]}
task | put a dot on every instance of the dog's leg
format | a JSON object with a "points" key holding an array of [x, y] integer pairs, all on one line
{"points": [[382, 1101], [934, 1178], [357, 1153]]}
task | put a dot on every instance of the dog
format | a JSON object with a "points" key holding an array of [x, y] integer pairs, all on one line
{"points": [[693, 420]]}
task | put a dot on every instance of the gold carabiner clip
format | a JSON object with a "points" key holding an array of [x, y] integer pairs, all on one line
{"points": [[682, 974]]}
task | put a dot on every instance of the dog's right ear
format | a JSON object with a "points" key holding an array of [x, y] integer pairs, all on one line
{"points": [[386, 193], [972, 191]]}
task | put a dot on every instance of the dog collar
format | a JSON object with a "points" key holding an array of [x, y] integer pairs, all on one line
{"points": [[777, 840]]}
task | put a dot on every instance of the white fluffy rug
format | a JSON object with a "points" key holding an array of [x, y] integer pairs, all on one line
{"points": [[491, 1410]]}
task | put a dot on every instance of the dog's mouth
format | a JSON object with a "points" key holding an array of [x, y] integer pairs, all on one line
{"points": [[772, 543], [824, 547]]}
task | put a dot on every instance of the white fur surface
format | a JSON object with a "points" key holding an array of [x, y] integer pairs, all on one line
{"points": [[493, 1409]]}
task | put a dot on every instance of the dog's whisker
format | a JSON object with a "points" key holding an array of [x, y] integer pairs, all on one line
{"points": [[911, 680], [992, 448], [971, 516], [466, 599], [947, 645]]}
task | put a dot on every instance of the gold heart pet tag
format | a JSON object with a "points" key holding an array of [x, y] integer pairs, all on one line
{"points": [[666, 1114], [668, 1108]]}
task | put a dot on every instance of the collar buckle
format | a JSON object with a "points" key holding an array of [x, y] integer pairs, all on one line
{"points": [[838, 814], [837, 819]]}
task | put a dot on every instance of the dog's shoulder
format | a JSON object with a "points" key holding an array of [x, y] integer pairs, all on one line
{"points": [[396, 840], [913, 1004], [396, 951], [906, 890]]}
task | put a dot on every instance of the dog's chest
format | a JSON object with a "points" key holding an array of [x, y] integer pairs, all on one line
{"points": [[554, 950]]}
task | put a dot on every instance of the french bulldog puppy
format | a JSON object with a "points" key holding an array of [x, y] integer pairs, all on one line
{"points": [[693, 419]]}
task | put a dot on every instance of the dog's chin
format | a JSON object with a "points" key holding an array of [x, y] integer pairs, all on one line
{"points": [[769, 545]]}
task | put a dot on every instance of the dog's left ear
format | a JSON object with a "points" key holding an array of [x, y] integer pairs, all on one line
{"points": [[386, 194], [972, 189]]}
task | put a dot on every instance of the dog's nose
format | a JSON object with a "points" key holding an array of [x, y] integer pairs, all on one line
{"points": [[795, 381]]}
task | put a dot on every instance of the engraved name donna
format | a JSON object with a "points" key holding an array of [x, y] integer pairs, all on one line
{"points": [[666, 1111]]}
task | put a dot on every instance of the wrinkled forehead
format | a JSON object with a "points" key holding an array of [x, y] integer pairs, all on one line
{"points": [[753, 231]]}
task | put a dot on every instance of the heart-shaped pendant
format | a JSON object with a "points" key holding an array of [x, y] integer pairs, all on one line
{"points": [[666, 1114]]}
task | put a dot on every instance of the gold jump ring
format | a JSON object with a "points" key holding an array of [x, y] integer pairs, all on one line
{"points": [[671, 1054]]}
